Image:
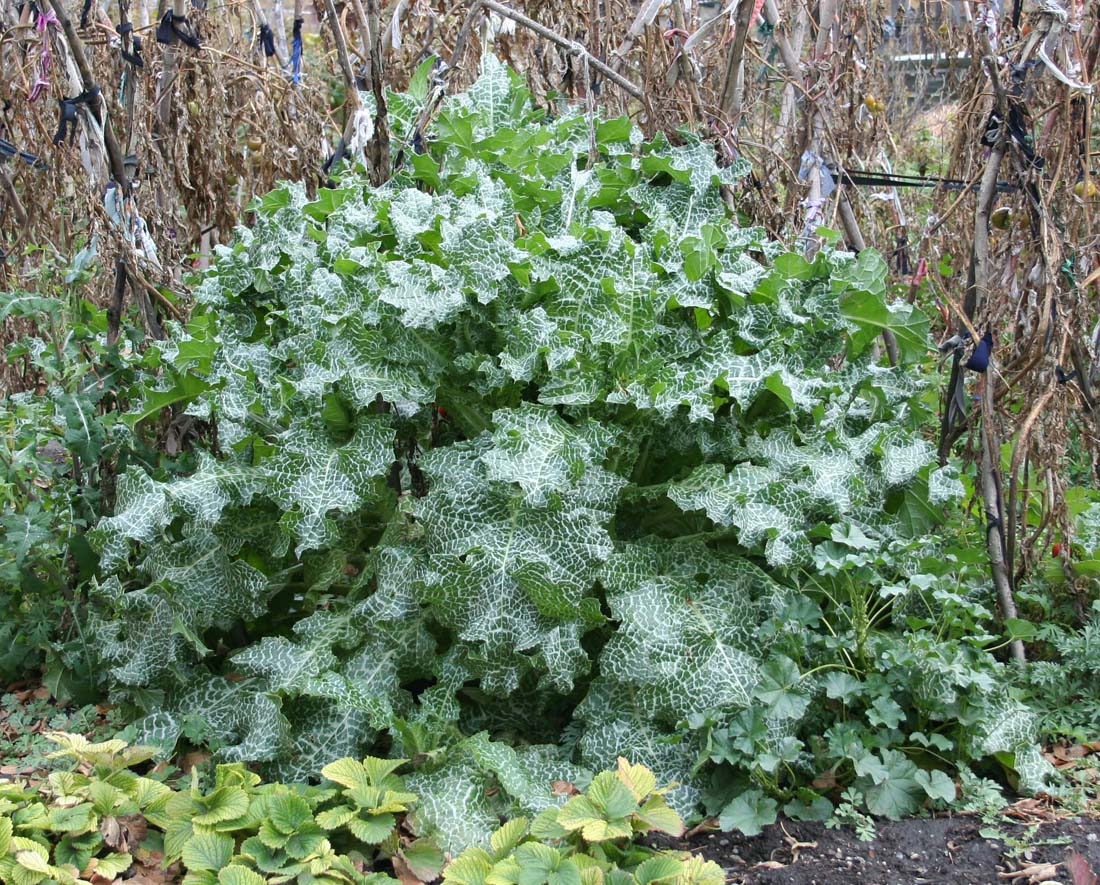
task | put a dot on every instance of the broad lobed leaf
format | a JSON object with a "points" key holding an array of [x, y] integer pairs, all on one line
{"points": [[504, 444]]}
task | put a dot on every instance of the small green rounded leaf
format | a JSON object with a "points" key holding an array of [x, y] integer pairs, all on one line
{"points": [[111, 866], [657, 869], [372, 829], [289, 812], [750, 813], [508, 837], [235, 874], [207, 851], [221, 805]]}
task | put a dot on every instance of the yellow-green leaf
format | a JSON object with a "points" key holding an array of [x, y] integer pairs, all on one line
{"points": [[347, 772], [22, 876], [22, 843], [697, 871], [508, 837], [32, 860], [111, 866], [658, 816], [637, 778], [379, 769], [603, 830], [207, 851], [223, 804], [507, 872], [64, 874], [660, 868], [332, 818], [469, 868], [235, 874]]}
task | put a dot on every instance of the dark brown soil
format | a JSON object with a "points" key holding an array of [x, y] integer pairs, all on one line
{"points": [[936, 851]]}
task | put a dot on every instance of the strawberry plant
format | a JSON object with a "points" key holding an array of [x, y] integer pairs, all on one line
{"points": [[104, 820], [588, 841]]}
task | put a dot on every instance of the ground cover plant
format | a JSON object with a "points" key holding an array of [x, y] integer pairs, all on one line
{"points": [[535, 456], [100, 819]]}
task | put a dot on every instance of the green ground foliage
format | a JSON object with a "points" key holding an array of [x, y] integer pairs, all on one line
{"points": [[531, 458], [102, 820]]}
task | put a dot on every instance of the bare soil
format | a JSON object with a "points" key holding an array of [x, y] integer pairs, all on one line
{"points": [[928, 851]]}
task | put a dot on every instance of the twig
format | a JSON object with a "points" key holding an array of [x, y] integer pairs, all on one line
{"points": [[996, 541], [828, 11], [463, 36], [1019, 449], [261, 20], [786, 52], [977, 287], [365, 36], [118, 296], [950, 209], [994, 512], [13, 196], [730, 102], [98, 106], [168, 74], [278, 28], [647, 12], [351, 90], [380, 143], [571, 45]]}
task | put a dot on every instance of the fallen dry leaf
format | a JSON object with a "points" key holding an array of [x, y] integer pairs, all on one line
{"points": [[1034, 810], [123, 833], [404, 874], [1060, 763], [190, 760], [152, 874], [1037, 872], [709, 823], [1080, 870], [564, 788], [794, 844], [769, 865]]}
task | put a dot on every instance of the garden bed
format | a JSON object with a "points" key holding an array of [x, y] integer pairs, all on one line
{"points": [[936, 851], [960, 850]]}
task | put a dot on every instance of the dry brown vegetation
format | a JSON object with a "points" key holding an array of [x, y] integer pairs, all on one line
{"points": [[187, 140]]}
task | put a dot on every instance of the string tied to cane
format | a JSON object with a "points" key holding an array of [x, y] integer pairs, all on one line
{"points": [[296, 52], [267, 40], [174, 27], [42, 25], [66, 125]]}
